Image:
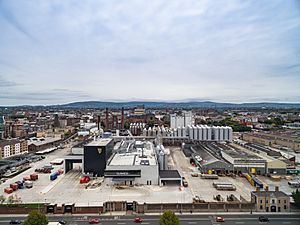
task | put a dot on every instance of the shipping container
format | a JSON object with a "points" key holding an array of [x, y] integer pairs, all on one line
{"points": [[20, 184], [53, 176], [26, 178], [8, 190], [34, 176], [14, 186]]}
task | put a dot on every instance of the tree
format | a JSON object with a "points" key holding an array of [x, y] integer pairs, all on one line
{"points": [[2, 199], [296, 197], [36, 218], [168, 218], [10, 199], [126, 125]]}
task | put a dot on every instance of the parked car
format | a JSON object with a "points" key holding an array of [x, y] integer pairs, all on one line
{"points": [[93, 221], [137, 220], [15, 222], [263, 219], [220, 219], [62, 222]]}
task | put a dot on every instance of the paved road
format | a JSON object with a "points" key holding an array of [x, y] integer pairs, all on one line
{"points": [[184, 220]]}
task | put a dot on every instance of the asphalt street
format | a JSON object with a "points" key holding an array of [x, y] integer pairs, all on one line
{"points": [[243, 219]]}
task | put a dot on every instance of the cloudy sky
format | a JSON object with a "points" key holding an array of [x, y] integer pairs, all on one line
{"points": [[226, 51]]}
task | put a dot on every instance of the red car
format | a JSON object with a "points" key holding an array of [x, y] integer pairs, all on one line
{"points": [[137, 220], [220, 219], [94, 221]]}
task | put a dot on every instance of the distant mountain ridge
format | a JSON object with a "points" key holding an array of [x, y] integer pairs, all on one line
{"points": [[194, 104], [165, 105]]}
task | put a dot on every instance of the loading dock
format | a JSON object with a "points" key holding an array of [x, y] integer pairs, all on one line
{"points": [[169, 177]]}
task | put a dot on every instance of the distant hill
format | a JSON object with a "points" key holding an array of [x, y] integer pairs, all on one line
{"points": [[187, 105]]}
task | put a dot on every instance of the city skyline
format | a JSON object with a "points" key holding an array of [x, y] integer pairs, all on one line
{"points": [[54, 52]]}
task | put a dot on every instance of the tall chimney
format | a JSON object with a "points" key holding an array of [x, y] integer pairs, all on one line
{"points": [[122, 118], [98, 122], [106, 119]]}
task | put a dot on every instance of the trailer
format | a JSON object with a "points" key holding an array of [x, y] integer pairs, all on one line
{"points": [[294, 183], [209, 176], [222, 186]]}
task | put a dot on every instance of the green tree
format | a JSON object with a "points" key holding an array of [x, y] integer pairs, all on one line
{"points": [[168, 218], [36, 218], [2, 199], [296, 197], [126, 125]]}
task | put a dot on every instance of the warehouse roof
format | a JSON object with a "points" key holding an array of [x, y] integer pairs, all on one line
{"points": [[43, 141]]}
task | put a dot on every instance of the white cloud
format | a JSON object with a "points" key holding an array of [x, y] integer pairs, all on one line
{"points": [[168, 50]]}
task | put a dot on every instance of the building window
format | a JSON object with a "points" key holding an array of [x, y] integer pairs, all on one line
{"points": [[260, 201], [260, 207], [279, 201], [266, 201], [279, 209], [284, 201], [273, 201], [284, 206]]}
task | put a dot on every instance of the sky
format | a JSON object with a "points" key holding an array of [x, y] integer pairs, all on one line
{"points": [[60, 51]]}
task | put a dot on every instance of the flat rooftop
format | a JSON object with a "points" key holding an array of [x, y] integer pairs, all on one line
{"points": [[100, 142], [135, 156]]}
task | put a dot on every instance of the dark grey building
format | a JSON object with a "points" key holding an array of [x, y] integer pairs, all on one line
{"points": [[96, 155], [209, 163]]}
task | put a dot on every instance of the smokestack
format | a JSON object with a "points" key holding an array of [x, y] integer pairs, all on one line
{"points": [[98, 122], [106, 119], [122, 118]]}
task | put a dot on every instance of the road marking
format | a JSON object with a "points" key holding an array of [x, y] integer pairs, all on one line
{"points": [[239, 222], [121, 223], [192, 222]]}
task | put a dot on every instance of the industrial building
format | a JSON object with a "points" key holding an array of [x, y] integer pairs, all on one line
{"points": [[38, 144], [12, 147], [243, 161], [96, 155], [185, 120], [208, 162], [275, 163], [271, 201], [135, 162], [287, 138], [194, 133]]}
